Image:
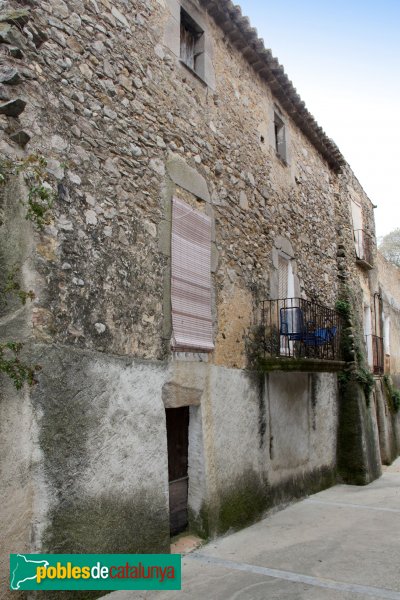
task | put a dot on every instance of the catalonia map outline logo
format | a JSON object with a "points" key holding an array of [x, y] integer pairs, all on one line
{"points": [[15, 582], [69, 572]]}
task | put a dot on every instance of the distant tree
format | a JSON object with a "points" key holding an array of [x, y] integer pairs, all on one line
{"points": [[390, 246]]}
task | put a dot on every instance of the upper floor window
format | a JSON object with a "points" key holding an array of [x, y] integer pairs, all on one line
{"points": [[280, 137], [191, 279], [386, 334], [364, 243], [191, 42], [285, 277]]}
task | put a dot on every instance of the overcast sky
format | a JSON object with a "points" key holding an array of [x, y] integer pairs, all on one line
{"points": [[343, 57]]}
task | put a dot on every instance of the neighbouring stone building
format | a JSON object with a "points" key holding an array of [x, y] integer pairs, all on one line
{"points": [[389, 284], [193, 366], [388, 329]]}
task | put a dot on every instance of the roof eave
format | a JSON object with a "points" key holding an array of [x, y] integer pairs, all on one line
{"points": [[245, 38]]}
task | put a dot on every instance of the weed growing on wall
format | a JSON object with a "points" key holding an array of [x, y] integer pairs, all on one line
{"points": [[10, 361], [11, 365], [352, 346], [344, 308], [12, 286], [41, 195], [392, 393], [366, 379]]}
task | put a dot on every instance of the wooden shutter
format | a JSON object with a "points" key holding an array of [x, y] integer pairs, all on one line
{"points": [[283, 277], [280, 137], [188, 43], [191, 278], [281, 142], [356, 212]]}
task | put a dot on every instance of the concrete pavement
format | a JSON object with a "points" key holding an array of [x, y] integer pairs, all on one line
{"points": [[340, 544]]}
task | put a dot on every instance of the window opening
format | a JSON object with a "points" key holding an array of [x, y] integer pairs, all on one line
{"points": [[191, 279], [280, 137], [191, 34]]}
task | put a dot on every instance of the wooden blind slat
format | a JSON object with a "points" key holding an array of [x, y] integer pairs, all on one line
{"points": [[283, 275], [191, 278]]}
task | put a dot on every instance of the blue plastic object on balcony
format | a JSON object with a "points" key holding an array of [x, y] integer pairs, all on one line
{"points": [[292, 323], [319, 337], [293, 327]]}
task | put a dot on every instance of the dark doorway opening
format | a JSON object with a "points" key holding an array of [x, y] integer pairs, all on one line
{"points": [[178, 450]]}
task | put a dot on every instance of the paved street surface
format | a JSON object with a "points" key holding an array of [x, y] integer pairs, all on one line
{"points": [[341, 544]]}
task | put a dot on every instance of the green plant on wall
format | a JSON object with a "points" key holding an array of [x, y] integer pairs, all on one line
{"points": [[352, 346], [41, 195], [11, 365], [38, 205], [393, 393], [344, 308], [366, 379], [12, 286], [10, 361]]}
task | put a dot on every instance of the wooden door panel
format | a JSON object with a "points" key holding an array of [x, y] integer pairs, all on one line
{"points": [[178, 495]]}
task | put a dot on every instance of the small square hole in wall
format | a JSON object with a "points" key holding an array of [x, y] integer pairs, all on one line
{"points": [[280, 137], [192, 42]]}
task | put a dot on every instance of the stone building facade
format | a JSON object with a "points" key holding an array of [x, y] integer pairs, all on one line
{"points": [[389, 282], [388, 304], [126, 110]]}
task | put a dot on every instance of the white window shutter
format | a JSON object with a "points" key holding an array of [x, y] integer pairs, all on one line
{"points": [[191, 278], [356, 212]]}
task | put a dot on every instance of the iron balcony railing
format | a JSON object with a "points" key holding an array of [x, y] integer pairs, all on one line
{"points": [[297, 328], [364, 243], [375, 351]]}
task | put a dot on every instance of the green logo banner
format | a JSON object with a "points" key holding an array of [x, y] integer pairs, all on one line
{"points": [[95, 572]]}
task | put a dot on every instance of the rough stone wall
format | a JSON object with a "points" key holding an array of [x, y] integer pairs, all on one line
{"points": [[117, 211], [389, 281], [359, 279], [106, 105], [388, 417]]}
